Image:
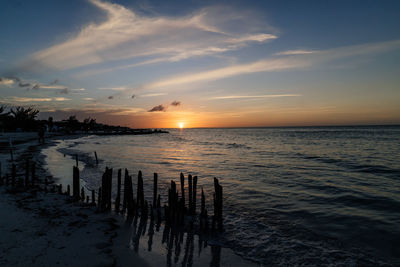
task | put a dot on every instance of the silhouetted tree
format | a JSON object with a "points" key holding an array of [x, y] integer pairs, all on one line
{"points": [[72, 123], [24, 118]]}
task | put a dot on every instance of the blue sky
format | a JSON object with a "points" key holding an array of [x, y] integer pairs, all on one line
{"points": [[203, 63]]}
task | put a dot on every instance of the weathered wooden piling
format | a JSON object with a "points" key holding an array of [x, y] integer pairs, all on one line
{"points": [[27, 173], [183, 187], [95, 155], [129, 196], [190, 192], [68, 190], [106, 186], [155, 181], [60, 189], [194, 194], [140, 193], [218, 204], [203, 202], [75, 184], [125, 199], [118, 198]]}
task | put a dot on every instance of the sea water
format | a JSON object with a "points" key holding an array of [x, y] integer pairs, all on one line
{"points": [[292, 196]]}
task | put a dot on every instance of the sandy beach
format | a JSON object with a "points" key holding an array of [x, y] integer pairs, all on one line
{"points": [[59, 232]]}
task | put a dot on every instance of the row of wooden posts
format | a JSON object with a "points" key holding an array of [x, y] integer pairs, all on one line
{"points": [[28, 179], [175, 210]]}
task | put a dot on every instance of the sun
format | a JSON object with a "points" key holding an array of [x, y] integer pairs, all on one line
{"points": [[181, 125]]}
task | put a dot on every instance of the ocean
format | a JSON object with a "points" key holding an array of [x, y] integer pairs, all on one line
{"points": [[292, 196]]}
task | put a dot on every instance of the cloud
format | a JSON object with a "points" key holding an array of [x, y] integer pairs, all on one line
{"points": [[111, 97], [158, 108], [251, 96], [176, 103], [120, 88], [295, 61], [6, 81], [238, 69], [61, 99], [296, 52], [87, 98], [153, 95], [64, 91], [37, 99], [125, 34]]}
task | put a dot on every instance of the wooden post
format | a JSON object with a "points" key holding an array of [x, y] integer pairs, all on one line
{"points": [[118, 198], [183, 187], [68, 190], [33, 173], [95, 155], [60, 189], [27, 173], [194, 195], [203, 202], [190, 192], [104, 191], [159, 202], [109, 188], [13, 175], [155, 189], [75, 184], [140, 194], [129, 196], [218, 203], [125, 199]]}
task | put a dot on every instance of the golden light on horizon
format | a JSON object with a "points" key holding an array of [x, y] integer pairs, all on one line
{"points": [[181, 125]]}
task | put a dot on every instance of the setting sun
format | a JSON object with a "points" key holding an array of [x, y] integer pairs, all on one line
{"points": [[181, 125]]}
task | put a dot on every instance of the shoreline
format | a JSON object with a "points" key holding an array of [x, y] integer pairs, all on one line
{"points": [[60, 233], [109, 236]]}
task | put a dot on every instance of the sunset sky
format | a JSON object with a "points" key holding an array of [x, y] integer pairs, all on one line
{"points": [[203, 63]]}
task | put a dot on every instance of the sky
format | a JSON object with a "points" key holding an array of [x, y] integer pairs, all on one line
{"points": [[161, 64]]}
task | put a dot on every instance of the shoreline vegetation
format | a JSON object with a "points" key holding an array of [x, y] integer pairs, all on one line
{"points": [[33, 209], [23, 119]]}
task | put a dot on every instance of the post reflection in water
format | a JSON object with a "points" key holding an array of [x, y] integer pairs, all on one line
{"points": [[174, 241]]}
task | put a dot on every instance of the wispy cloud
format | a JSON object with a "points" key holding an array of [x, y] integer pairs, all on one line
{"points": [[252, 96], [258, 66], [153, 95], [294, 61], [117, 88], [126, 34], [296, 52], [38, 99]]}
